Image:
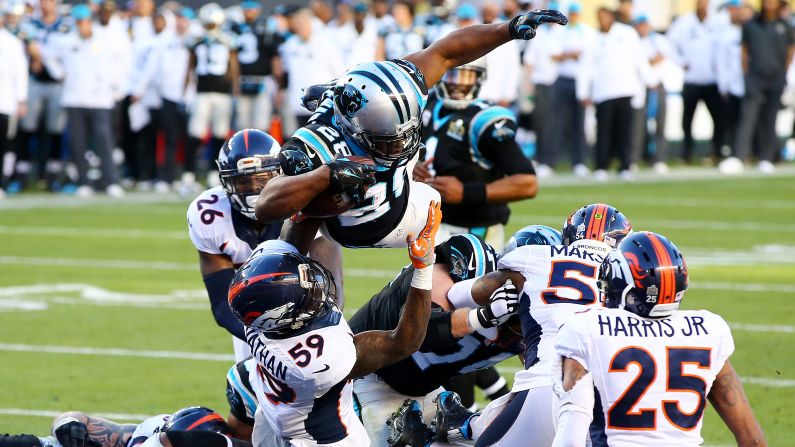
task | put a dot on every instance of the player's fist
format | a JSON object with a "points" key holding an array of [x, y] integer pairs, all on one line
{"points": [[72, 433], [421, 248], [502, 305], [351, 177], [524, 26]]}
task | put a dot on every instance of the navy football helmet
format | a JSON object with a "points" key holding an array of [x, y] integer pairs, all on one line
{"points": [[466, 256], [598, 222], [532, 235], [198, 419], [277, 293], [645, 275], [246, 162]]}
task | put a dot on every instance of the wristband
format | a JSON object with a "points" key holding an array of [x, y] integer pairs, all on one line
{"points": [[474, 321], [422, 278], [474, 193], [62, 422]]}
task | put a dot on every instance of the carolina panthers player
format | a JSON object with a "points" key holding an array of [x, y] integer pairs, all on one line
{"points": [[222, 227], [78, 429], [653, 366], [305, 351], [472, 157], [556, 281], [457, 341], [374, 110]]}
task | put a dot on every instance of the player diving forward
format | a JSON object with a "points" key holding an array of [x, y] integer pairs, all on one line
{"points": [[374, 110], [653, 366], [224, 231], [306, 354]]}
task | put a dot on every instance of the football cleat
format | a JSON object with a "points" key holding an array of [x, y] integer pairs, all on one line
{"points": [[407, 428], [452, 417]]}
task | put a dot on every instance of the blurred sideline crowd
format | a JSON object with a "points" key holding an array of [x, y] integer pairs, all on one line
{"points": [[94, 97]]}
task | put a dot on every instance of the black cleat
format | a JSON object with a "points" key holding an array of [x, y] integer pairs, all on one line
{"points": [[20, 441], [406, 427], [451, 417]]}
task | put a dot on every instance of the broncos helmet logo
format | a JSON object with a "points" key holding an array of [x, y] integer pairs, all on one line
{"points": [[350, 100]]}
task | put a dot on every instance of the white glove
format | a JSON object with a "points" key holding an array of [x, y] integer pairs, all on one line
{"points": [[503, 303]]}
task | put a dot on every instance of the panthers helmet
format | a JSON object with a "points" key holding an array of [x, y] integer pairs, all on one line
{"points": [[197, 418], [466, 256], [461, 85], [596, 222], [246, 163], [532, 235], [378, 106], [645, 275], [212, 14], [278, 293]]}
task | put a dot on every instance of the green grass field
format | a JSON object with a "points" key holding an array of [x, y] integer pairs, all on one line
{"points": [[102, 307]]}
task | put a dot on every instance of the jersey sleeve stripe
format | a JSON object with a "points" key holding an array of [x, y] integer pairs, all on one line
{"points": [[245, 393], [480, 123], [311, 140]]}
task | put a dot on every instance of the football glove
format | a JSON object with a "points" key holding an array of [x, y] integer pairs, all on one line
{"points": [[421, 249], [313, 95], [351, 178], [502, 305], [72, 433], [524, 26]]}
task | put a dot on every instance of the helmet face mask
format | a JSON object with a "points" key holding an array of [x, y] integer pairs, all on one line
{"points": [[460, 86], [388, 149], [246, 163]]}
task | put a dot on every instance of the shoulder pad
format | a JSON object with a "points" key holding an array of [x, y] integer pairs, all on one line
{"points": [[318, 144], [498, 121]]}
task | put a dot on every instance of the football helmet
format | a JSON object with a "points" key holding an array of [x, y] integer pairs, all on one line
{"points": [[460, 85], [212, 14], [596, 222], [278, 293], [246, 163], [197, 418], [532, 235], [645, 275], [378, 106], [466, 256]]}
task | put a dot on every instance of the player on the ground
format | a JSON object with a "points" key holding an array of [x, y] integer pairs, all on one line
{"points": [[556, 282], [653, 366], [306, 353], [374, 110], [222, 225], [471, 156], [457, 340], [78, 429]]}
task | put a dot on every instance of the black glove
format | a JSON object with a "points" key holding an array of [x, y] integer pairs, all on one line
{"points": [[351, 177], [294, 162], [72, 433], [502, 305], [524, 26], [313, 95]]}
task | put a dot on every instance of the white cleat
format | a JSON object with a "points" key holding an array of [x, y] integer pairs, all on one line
{"points": [[543, 171], [580, 170], [601, 175], [115, 191], [626, 175], [731, 166], [660, 168], [766, 167], [84, 191]]}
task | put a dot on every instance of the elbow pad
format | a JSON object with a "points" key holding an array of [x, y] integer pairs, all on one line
{"points": [[217, 285]]}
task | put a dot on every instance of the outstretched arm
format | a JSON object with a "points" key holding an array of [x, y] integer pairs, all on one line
{"points": [[377, 349], [471, 42], [76, 428], [728, 398]]}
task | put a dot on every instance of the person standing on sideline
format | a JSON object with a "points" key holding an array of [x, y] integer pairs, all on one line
{"points": [[767, 48], [694, 37], [537, 59], [613, 71], [83, 60], [13, 88]]}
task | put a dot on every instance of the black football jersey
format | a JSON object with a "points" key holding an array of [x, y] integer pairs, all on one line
{"points": [[476, 144], [256, 48], [386, 201], [212, 55]]}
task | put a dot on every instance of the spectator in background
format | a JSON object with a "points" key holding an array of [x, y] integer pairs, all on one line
{"points": [[613, 71], [13, 89], [624, 12], [258, 55], [731, 79], [358, 39], [309, 59], [651, 141], [322, 14], [384, 21], [568, 46], [213, 62], [84, 60], [404, 38], [767, 49], [694, 37], [503, 65]]}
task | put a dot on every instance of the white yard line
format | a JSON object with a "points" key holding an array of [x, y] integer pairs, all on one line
{"points": [[93, 232], [126, 417]]}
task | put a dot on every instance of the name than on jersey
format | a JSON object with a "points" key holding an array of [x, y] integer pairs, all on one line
{"points": [[626, 326], [265, 358], [561, 250]]}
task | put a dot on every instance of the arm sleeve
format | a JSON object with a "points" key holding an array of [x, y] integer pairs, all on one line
{"points": [[239, 392], [217, 285]]}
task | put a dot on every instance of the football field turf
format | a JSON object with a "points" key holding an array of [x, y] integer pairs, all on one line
{"points": [[102, 307]]}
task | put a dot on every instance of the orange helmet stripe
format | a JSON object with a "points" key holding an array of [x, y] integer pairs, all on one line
{"points": [[209, 417], [235, 289], [667, 276]]}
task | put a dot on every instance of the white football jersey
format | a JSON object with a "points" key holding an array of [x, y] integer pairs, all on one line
{"points": [[147, 428], [212, 228], [652, 375], [302, 383], [559, 281]]}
